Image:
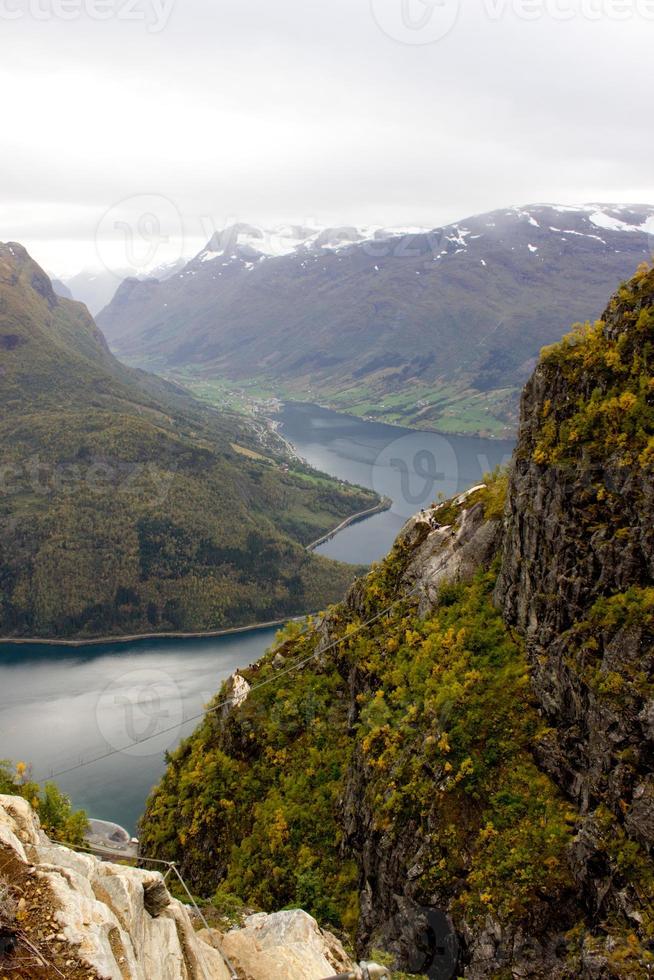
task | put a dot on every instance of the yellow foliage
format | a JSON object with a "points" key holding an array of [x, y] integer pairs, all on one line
{"points": [[444, 744]]}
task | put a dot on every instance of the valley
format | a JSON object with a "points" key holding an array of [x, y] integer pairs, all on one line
{"points": [[318, 315], [90, 695], [473, 723], [129, 507], [326, 490]]}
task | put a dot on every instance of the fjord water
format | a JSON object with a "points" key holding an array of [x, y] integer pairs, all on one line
{"points": [[59, 706], [411, 468]]}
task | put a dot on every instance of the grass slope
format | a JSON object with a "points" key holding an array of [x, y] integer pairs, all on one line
{"points": [[127, 506]]}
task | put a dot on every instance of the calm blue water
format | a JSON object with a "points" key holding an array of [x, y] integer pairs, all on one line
{"points": [[412, 468], [59, 705]]}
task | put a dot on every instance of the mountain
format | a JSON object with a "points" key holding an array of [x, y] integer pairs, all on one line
{"points": [[457, 762], [126, 505], [437, 328], [61, 290], [97, 287], [94, 287]]}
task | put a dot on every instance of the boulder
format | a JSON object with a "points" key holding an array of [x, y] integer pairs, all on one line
{"points": [[99, 912], [236, 692], [448, 553], [285, 946]]}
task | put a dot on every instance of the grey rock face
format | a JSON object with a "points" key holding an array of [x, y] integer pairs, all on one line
{"points": [[577, 532], [449, 553]]}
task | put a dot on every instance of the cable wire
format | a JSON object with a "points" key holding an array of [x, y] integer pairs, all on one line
{"points": [[227, 701]]}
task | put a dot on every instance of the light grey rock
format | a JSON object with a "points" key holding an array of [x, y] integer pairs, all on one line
{"points": [[448, 554], [100, 909], [285, 946]]}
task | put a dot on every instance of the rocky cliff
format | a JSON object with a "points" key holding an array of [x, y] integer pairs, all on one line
{"points": [[576, 580], [67, 914], [455, 764], [77, 917]]}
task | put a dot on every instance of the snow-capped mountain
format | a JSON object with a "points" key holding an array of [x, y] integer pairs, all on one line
{"points": [[432, 327], [250, 243]]}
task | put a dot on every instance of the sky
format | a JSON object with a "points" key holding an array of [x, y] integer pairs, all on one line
{"points": [[134, 128]]}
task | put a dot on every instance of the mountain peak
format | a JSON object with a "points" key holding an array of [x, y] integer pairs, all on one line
{"points": [[17, 265]]}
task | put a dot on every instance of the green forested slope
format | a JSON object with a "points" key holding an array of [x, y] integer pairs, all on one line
{"points": [[124, 504]]}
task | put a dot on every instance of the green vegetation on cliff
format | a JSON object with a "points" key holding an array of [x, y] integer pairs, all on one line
{"points": [[57, 817], [435, 717], [611, 372], [471, 730]]}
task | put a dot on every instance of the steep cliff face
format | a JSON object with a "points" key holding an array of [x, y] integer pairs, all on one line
{"points": [[581, 499], [455, 764], [576, 579], [380, 770]]}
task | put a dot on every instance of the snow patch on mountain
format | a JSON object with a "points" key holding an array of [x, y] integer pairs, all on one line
{"points": [[605, 220], [243, 246], [250, 242]]}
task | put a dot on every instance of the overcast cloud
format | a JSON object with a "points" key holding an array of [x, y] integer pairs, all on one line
{"points": [[390, 112]]}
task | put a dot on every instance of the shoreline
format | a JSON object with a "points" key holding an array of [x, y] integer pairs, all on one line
{"points": [[384, 504], [136, 637], [379, 508], [511, 436]]}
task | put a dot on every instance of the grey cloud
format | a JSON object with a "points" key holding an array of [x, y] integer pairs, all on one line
{"points": [[302, 109]]}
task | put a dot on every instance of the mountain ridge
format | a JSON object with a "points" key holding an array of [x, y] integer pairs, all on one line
{"points": [[437, 329], [127, 506]]}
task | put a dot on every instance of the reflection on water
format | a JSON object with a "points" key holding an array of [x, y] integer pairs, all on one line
{"points": [[59, 706]]}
